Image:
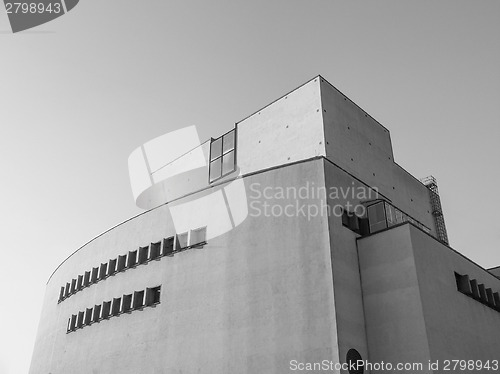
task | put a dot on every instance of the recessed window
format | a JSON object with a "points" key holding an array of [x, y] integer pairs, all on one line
{"points": [[154, 253], [115, 308], [106, 308], [86, 279], [377, 218], [198, 236], [95, 273], [103, 271], [181, 241], [143, 254], [153, 295], [79, 283], [72, 325], [222, 156], [168, 246], [73, 285], [97, 313], [88, 316], [132, 259], [79, 321], [112, 266], [138, 299], [122, 260], [477, 291], [66, 290], [61, 294], [127, 303]]}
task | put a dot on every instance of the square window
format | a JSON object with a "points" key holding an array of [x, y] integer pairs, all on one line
{"points": [[153, 295], [198, 236], [228, 142], [215, 169], [376, 216], [228, 164], [215, 149]]}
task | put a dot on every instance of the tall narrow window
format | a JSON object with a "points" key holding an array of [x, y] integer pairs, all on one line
{"points": [[86, 279], [88, 316], [138, 299], [127, 303], [376, 216], [66, 290], [222, 156], [79, 283], [154, 253], [132, 259], [61, 294], [106, 308], [103, 271], [111, 267], [168, 246], [79, 321], [97, 313], [143, 254], [73, 285], [153, 295], [95, 273], [198, 236], [122, 262], [72, 325], [115, 308]]}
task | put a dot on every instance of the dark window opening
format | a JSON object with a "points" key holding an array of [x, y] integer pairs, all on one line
{"points": [[355, 362], [79, 284], [88, 316], [153, 295], [61, 294], [106, 308], [86, 279], [72, 326], [97, 313], [112, 267], [66, 290], [121, 262], [127, 303], [143, 254], [475, 289], [73, 286], [95, 273], [79, 322], [463, 284], [103, 271], [154, 253], [138, 299], [132, 259], [168, 246], [115, 308]]}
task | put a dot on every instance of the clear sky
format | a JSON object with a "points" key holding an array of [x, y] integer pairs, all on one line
{"points": [[78, 94]]}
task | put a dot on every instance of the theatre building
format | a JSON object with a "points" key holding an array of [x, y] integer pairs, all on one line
{"points": [[293, 238]]}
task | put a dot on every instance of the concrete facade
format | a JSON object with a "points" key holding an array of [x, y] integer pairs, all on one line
{"points": [[283, 285]]}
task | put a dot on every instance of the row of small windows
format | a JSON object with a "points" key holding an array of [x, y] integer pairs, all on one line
{"points": [[478, 291], [143, 255], [379, 216], [112, 308]]}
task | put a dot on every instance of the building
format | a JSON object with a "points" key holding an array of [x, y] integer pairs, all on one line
{"points": [[292, 242]]}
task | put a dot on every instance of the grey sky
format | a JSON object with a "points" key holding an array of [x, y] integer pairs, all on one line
{"points": [[78, 94]]}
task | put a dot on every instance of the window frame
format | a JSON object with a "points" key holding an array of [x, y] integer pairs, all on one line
{"points": [[221, 156]]}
